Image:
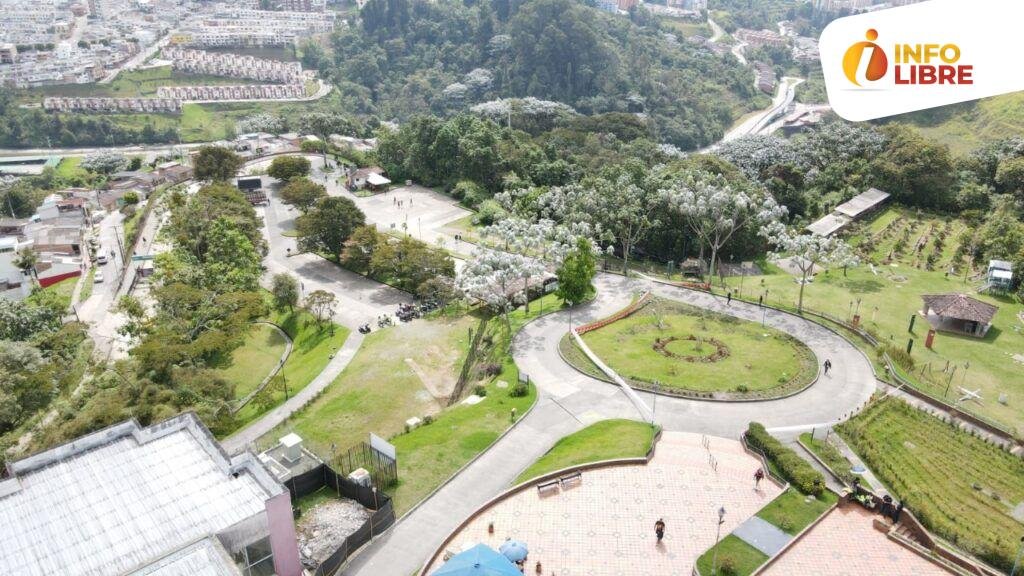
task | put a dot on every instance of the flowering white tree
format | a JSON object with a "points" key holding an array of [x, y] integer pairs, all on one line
{"points": [[809, 251], [104, 162], [619, 211], [715, 209], [261, 122], [493, 278]]}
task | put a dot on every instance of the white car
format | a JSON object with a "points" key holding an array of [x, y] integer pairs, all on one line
{"points": [[98, 277]]}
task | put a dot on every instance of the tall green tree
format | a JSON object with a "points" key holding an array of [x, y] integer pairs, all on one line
{"points": [[327, 226], [302, 193], [576, 274], [216, 164], [285, 168], [285, 289]]}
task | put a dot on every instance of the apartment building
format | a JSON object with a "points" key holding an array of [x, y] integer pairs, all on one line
{"points": [[234, 65], [69, 104], [759, 38], [220, 93]]}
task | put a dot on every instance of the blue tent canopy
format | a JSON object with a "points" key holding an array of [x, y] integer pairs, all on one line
{"points": [[479, 560]]}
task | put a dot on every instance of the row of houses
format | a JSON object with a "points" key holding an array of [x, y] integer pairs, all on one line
{"points": [[233, 65], [56, 232], [249, 92], [91, 104]]}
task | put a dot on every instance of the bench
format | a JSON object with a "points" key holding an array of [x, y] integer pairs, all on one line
{"points": [[547, 487], [574, 478]]}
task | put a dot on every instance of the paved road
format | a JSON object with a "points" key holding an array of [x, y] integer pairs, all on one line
{"points": [[569, 400]]}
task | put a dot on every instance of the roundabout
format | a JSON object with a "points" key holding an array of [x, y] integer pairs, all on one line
{"points": [[681, 350]]}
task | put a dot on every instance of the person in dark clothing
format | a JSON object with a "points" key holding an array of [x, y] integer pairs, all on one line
{"points": [[659, 529], [828, 366], [728, 298]]}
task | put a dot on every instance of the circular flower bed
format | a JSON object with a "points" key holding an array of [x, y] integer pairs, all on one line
{"points": [[721, 350]]}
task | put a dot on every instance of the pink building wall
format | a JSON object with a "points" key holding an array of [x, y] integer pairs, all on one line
{"points": [[282, 535]]}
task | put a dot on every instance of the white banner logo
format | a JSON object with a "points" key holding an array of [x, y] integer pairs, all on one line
{"points": [[921, 56]]}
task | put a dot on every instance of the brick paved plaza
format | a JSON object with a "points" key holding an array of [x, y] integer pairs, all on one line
{"points": [[605, 525], [846, 544]]}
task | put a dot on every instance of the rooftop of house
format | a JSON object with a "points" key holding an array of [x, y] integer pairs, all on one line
{"points": [[961, 307], [129, 500], [862, 202]]}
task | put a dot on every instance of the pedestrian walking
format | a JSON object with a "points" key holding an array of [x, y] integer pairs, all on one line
{"points": [[728, 298], [758, 476], [659, 529], [828, 366]]}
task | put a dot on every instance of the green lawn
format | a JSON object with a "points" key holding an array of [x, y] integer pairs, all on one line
{"points": [[711, 353], [603, 440], [687, 28], [965, 127], [90, 282], [312, 347], [792, 512], [63, 291], [830, 455], [251, 362], [959, 486], [890, 294], [735, 557]]}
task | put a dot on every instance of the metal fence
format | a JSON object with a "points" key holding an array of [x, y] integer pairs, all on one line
{"points": [[382, 518], [382, 468]]}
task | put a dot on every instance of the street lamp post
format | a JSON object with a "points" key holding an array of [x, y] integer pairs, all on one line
{"points": [[718, 534]]}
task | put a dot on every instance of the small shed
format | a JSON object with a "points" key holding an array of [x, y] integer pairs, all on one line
{"points": [[958, 313], [1000, 275]]}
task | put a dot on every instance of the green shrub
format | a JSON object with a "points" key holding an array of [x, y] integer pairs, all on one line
{"points": [[519, 390], [899, 356], [480, 390], [794, 468], [727, 567]]}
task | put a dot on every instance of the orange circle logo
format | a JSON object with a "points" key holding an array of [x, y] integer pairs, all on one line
{"points": [[878, 62]]}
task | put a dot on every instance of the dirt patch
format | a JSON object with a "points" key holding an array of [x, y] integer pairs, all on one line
{"points": [[322, 530]]}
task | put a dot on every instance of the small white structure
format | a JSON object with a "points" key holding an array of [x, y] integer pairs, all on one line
{"points": [[292, 445], [1000, 275]]}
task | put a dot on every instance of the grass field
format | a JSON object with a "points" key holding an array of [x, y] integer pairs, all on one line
{"points": [[312, 347], [962, 488], [965, 127], [757, 360], [735, 557], [254, 359], [687, 28], [603, 440], [792, 511], [886, 292], [63, 290], [830, 455], [90, 282]]}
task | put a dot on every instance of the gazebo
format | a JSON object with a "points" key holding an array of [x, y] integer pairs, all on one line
{"points": [[958, 313]]}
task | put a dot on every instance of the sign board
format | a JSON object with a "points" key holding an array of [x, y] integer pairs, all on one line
{"points": [[383, 446], [550, 287], [140, 257], [524, 377]]}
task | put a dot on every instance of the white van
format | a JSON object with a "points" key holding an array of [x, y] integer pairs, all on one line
{"points": [[101, 258]]}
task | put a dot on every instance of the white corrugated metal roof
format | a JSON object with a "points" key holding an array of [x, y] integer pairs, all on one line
{"points": [[828, 225], [204, 558], [120, 499], [862, 202]]}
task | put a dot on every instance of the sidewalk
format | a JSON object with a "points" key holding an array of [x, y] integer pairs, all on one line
{"points": [[405, 548], [247, 436]]}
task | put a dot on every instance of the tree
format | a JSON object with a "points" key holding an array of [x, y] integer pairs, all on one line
{"points": [[24, 384], [26, 260], [285, 168], [809, 251], [359, 249], [577, 272], [135, 163], [1010, 176], [302, 193], [132, 308], [715, 209], [24, 320], [327, 226], [321, 304], [323, 124], [439, 289], [493, 278], [261, 122], [285, 289], [216, 164], [103, 163]]}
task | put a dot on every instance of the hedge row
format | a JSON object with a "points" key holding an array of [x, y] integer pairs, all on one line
{"points": [[793, 468]]}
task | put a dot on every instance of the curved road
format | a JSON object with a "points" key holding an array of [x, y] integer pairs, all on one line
{"points": [[568, 400]]}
